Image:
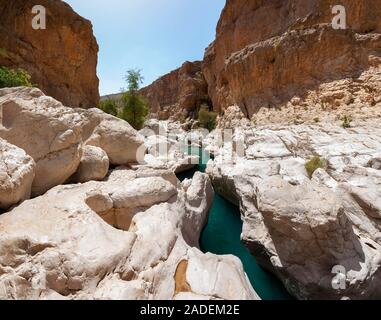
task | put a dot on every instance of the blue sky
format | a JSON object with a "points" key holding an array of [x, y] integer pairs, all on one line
{"points": [[156, 36]]}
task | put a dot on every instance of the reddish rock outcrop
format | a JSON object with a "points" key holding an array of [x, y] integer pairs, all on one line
{"points": [[281, 61], [178, 94], [267, 52], [61, 59]]}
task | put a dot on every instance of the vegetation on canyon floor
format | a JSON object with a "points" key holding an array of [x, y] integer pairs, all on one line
{"points": [[109, 106], [315, 163], [346, 122], [14, 78], [132, 107], [207, 118]]}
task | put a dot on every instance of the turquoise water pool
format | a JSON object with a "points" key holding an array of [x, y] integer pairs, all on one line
{"points": [[222, 234]]}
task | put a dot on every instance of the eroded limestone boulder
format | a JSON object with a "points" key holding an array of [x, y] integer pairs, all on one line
{"points": [[46, 130], [16, 174], [121, 142], [94, 165], [300, 228], [57, 246], [199, 195], [170, 151], [54, 135]]}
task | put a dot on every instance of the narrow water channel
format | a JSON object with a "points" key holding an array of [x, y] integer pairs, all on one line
{"points": [[222, 235]]}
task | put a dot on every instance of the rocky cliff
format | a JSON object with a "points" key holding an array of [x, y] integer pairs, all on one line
{"points": [[177, 94], [61, 59], [268, 52], [278, 55]]}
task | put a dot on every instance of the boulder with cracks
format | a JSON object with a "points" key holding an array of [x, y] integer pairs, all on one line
{"points": [[73, 253], [54, 135], [304, 229], [16, 175]]}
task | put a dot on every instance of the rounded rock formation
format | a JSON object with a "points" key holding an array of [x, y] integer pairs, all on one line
{"points": [[16, 174], [94, 164]]}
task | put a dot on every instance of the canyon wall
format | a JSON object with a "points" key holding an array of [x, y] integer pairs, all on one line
{"points": [[267, 52], [61, 59], [276, 54], [177, 94]]}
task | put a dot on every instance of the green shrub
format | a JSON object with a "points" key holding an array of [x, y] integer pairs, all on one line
{"points": [[315, 163], [109, 106], [346, 122], [206, 118], [317, 120], [14, 78], [134, 108]]}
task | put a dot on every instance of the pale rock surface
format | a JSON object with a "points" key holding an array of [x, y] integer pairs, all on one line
{"points": [[169, 147], [121, 142], [16, 174], [199, 195], [57, 246], [177, 161], [47, 131], [136, 196], [154, 127], [94, 165], [301, 228], [53, 135], [158, 145]]}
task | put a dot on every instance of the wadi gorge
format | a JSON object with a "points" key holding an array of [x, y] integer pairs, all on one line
{"points": [[133, 235], [90, 208]]}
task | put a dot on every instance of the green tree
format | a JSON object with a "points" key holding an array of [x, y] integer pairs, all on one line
{"points": [[14, 78], [109, 106], [134, 108]]}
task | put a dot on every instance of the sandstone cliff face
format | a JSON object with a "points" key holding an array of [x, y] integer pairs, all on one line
{"points": [[61, 59], [178, 94], [268, 52]]}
